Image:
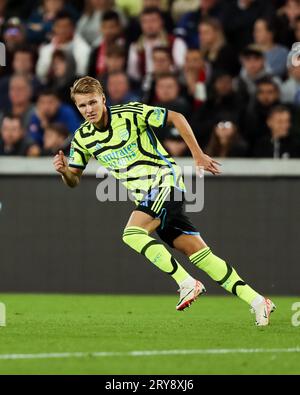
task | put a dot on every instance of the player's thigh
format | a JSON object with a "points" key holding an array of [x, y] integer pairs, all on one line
{"points": [[189, 244], [143, 220]]}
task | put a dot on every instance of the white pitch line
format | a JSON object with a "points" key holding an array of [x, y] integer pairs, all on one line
{"points": [[149, 353]]}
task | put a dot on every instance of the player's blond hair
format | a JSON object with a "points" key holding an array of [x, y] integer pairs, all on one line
{"points": [[86, 85]]}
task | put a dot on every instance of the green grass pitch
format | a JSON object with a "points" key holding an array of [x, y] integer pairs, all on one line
{"points": [[47, 324]]}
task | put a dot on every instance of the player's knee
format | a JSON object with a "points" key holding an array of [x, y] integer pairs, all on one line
{"points": [[126, 239], [134, 237], [132, 234]]}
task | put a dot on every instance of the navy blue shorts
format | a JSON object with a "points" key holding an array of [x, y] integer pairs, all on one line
{"points": [[168, 205]]}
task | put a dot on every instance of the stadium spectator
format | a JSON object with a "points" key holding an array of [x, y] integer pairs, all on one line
{"points": [[13, 140], [267, 96], [222, 98], [56, 138], [39, 24], [280, 143], [13, 36], [118, 89], [133, 29], [290, 89], [112, 35], [225, 141], [214, 47], [187, 26], [239, 17], [64, 38], [165, 13], [162, 64], [286, 22], [167, 94], [89, 25], [20, 94], [23, 63], [49, 109], [275, 54], [253, 69], [195, 76], [140, 61], [62, 74], [115, 60]]}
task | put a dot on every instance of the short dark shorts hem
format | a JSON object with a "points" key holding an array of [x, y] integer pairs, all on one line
{"points": [[174, 221]]}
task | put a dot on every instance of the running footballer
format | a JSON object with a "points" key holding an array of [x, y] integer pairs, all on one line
{"points": [[122, 139]]}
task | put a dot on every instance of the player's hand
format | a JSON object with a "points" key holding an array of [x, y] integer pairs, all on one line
{"points": [[60, 163], [207, 163]]}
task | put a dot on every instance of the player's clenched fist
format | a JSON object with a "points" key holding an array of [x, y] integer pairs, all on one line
{"points": [[60, 163]]}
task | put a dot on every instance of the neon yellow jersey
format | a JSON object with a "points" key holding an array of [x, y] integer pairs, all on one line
{"points": [[129, 148]]}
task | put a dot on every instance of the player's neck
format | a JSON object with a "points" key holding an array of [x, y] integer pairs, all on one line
{"points": [[103, 123]]}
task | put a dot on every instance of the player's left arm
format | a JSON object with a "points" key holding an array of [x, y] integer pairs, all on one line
{"points": [[186, 132]]}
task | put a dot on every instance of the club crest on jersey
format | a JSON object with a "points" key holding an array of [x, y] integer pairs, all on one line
{"points": [[124, 134], [158, 112]]}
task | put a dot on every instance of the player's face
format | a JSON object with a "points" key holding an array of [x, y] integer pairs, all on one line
{"points": [[91, 106]]}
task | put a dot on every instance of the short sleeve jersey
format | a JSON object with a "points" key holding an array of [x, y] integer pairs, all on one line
{"points": [[129, 149]]}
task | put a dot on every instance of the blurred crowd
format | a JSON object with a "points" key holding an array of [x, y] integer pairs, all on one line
{"points": [[224, 64]]}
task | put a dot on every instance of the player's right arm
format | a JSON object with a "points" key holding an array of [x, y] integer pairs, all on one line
{"points": [[71, 176]]}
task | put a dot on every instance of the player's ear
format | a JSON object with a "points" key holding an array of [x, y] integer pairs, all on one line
{"points": [[104, 99]]}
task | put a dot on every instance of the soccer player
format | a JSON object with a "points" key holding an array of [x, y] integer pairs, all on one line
{"points": [[121, 138]]}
